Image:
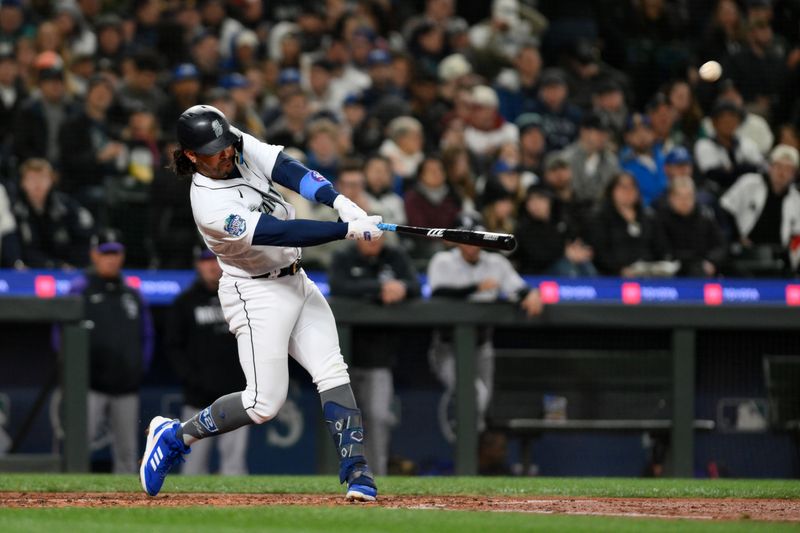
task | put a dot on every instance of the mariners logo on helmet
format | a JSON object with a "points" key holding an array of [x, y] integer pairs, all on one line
{"points": [[234, 225], [217, 128]]}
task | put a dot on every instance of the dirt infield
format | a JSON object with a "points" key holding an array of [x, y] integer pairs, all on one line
{"points": [[699, 509]]}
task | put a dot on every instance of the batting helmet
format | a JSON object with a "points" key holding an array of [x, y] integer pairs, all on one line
{"points": [[205, 130]]}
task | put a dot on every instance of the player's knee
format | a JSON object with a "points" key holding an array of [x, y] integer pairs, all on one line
{"points": [[264, 406], [331, 375]]}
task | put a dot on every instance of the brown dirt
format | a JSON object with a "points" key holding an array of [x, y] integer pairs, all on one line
{"points": [[698, 509]]}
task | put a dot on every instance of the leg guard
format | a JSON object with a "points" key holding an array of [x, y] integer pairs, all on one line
{"points": [[347, 430]]}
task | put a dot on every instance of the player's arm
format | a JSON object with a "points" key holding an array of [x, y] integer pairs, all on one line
{"points": [[314, 187], [271, 231]]}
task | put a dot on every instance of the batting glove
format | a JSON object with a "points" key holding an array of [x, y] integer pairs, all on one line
{"points": [[365, 229], [348, 210]]}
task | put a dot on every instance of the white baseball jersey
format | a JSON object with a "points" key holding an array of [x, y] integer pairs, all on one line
{"points": [[226, 212], [449, 269]]}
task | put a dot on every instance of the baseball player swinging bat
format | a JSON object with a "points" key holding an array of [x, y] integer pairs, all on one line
{"points": [[484, 239]]}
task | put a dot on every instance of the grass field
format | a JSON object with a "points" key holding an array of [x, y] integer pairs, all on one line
{"points": [[365, 518]]}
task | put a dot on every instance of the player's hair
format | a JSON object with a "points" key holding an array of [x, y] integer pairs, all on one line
{"points": [[181, 164]]}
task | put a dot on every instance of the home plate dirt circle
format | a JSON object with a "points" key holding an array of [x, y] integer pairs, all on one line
{"points": [[697, 508]]}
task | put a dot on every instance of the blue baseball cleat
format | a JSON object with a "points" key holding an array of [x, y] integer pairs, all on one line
{"points": [[360, 485], [161, 452]]}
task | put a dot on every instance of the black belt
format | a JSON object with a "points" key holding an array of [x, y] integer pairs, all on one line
{"points": [[290, 270]]}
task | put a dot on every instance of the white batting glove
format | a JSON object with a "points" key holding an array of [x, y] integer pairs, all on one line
{"points": [[365, 229], [348, 210]]}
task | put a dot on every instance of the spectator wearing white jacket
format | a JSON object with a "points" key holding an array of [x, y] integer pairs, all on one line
{"points": [[766, 207]]}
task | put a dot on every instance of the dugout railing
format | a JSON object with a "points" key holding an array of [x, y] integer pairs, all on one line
{"points": [[680, 322]]}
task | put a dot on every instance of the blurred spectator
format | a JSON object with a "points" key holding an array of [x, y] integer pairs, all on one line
{"points": [[725, 35], [247, 117], [643, 160], [366, 133], [544, 245], [752, 126], [469, 273], [205, 56], [41, 116], [323, 95], [758, 69], [724, 156], [120, 349], [12, 94], [324, 148], [560, 118], [454, 71], [567, 207], [460, 175], [608, 100], [172, 228], [427, 107], [403, 147], [487, 130], [204, 356], [12, 22], [53, 229], [139, 89], [90, 150], [585, 71], [498, 39], [10, 252], [532, 143], [110, 39], [687, 112], [379, 193], [766, 207], [428, 45], [691, 233], [78, 38], [662, 121], [431, 203], [517, 87], [184, 92], [382, 87], [378, 273], [289, 129], [499, 207], [624, 232], [591, 158]]}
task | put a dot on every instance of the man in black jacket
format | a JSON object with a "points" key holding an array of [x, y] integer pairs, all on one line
{"points": [[385, 275], [121, 347], [204, 355], [53, 229]]}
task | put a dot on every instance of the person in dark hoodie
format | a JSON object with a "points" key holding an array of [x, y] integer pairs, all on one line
{"points": [[692, 235], [120, 348], [204, 355], [545, 244]]}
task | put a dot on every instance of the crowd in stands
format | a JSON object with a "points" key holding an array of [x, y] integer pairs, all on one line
{"points": [[581, 126]]}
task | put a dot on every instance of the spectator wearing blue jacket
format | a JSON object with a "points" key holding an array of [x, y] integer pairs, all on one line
{"points": [[642, 159]]}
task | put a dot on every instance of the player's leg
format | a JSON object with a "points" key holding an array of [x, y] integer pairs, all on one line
{"points": [[232, 449], [197, 463], [97, 413], [124, 410], [314, 344]]}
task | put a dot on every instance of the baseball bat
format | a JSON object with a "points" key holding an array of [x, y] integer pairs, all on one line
{"points": [[484, 239]]}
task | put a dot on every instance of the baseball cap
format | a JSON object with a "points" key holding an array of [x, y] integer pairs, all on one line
{"points": [[553, 76], [727, 106], [785, 154], [353, 99], [656, 101], [185, 71], [539, 189], [483, 95], [501, 166], [246, 38], [49, 65], [289, 76], [637, 120], [678, 156], [378, 56], [108, 241], [109, 20], [234, 81], [453, 66], [528, 121], [555, 160]]}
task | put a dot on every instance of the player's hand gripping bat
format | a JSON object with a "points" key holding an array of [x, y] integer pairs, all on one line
{"points": [[484, 239]]}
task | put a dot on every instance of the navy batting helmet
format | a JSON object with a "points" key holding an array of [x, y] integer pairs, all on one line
{"points": [[205, 130]]}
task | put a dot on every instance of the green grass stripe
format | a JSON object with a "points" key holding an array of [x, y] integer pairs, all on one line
{"points": [[500, 486], [341, 519]]}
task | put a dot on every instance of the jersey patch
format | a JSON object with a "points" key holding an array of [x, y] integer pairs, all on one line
{"points": [[235, 225]]}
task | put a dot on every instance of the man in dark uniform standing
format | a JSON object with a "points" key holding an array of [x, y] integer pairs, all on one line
{"points": [[121, 348], [204, 354]]}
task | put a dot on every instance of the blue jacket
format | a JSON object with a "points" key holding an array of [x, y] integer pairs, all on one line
{"points": [[652, 181]]}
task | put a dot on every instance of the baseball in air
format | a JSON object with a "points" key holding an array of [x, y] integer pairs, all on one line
{"points": [[710, 71]]}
